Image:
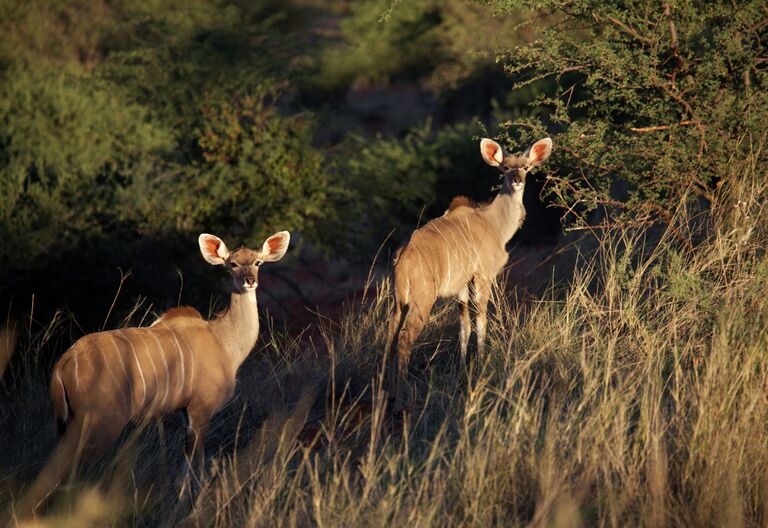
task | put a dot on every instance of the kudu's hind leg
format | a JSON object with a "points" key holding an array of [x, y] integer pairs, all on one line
{"points": [[198, 420], [74, 440], [466, 324], [417, 317], [96, 436]]}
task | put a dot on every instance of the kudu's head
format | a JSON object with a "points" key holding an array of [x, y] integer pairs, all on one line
{"points": [[243, 264], [515, 166]]}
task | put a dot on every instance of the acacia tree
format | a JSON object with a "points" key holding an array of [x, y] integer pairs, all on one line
{"points": [[666, 98]]}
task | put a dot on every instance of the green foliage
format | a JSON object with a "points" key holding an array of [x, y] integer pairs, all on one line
{"points": [[169, 127], [407, 181], [69, 149], [662, 97], [261, 167], [442, 43], [377, 49]]}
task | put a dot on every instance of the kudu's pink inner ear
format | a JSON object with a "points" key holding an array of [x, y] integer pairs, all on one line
{"points": [[276, 243], [539, 151], [492, 151], [212, 246]]}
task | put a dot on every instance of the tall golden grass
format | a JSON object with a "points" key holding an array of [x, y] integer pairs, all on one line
{"points": [[632, 394]]}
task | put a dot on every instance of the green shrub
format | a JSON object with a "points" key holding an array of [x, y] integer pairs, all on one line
{"points": [[130, 146], [442, 44], [400, 183], [663, 98], [69, 151]]}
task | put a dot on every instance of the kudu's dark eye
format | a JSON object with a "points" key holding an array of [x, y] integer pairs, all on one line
{"points": [[233, 264], [257, 263]]}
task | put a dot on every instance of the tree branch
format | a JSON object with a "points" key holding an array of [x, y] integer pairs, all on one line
{"points": [[675, 43]]}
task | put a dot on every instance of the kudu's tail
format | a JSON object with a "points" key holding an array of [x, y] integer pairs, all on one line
{"points": [[396, 324]]}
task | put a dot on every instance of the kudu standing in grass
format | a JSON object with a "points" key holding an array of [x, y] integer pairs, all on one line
{"points": [[180, 362], [462, 250]]}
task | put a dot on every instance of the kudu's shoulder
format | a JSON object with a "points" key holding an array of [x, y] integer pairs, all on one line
{"points": [[183, 316], [461, 201]]}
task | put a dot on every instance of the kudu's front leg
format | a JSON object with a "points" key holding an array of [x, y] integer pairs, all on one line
{"points": [[482, 295], [466, 324]]}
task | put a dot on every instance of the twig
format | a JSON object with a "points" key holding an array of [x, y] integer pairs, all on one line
{"points": [[657, 128], [625, 28]]}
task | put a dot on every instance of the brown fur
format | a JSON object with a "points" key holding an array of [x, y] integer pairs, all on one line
{"points": [[181, 311], [461, 201]]}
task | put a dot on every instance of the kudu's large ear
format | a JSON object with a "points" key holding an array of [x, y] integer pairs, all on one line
{"points": [[539, 152], [491, 152], [213, 248], [275, 246]]}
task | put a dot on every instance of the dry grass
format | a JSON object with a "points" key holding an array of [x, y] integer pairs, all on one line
{"points": [[633, 395]]}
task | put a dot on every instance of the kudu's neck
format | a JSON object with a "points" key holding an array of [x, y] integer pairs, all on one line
{"points": [[506, 211], [238, 328]]}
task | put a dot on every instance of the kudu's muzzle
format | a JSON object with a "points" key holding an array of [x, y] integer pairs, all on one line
{"points": [[516, 177]]}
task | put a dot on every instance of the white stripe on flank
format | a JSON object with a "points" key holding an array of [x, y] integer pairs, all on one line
{"points": [[167, 372], [181, 353], [66, 407], [149, 355], [141, 372], [191, 363], [191, 368], [77, 378], [128, 398], [112, 374]]}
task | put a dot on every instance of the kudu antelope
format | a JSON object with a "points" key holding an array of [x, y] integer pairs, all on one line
{"points": [[460, 251], [180, 362]]}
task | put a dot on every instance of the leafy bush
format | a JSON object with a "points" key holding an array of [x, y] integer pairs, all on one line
{"points": [[653, 102], [443, 44], [69, 150], [403, 182], [175, 129]]}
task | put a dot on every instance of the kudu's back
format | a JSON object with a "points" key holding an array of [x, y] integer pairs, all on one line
{"points": [[444, 255]]}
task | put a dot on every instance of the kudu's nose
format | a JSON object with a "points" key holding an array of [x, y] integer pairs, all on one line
{"points": [[249, 281]]}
